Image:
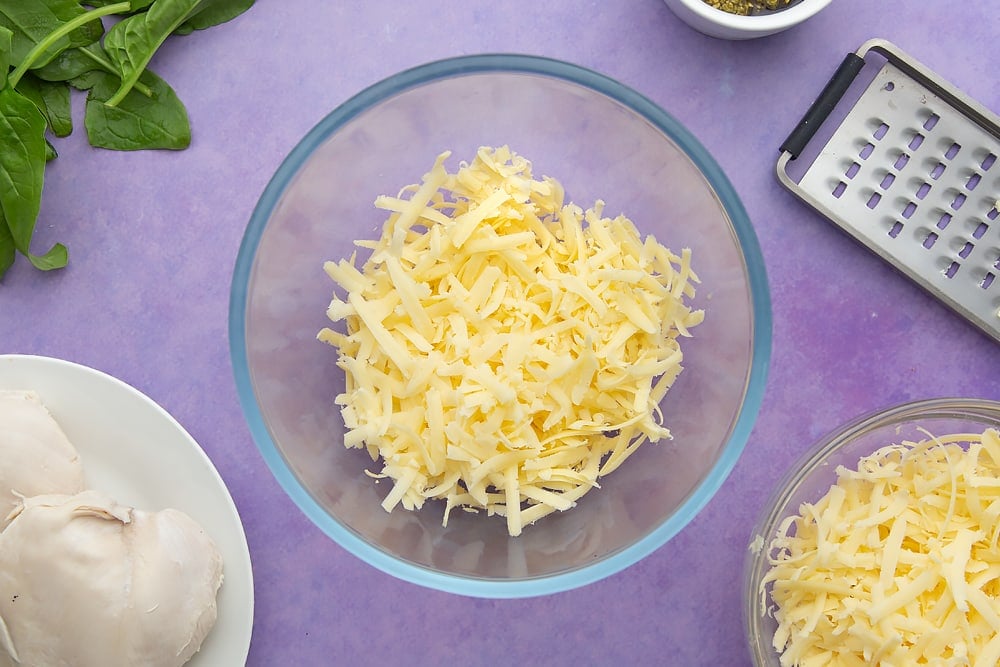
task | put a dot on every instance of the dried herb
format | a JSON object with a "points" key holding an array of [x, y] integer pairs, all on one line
{"points": [[748, 7]]}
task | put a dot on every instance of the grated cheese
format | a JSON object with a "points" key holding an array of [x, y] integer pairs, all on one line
{"points": [[897, 564], [503, 349]]}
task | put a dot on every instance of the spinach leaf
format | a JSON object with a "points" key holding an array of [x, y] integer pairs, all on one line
{"points": [[52, 99], [214, 12], [137, 5], [71, 63], [47, 46], [33, 20], [5, 37], [6, 246], [46, 43], [88, 80], [131, 43], [137, 122], [22, 173]]}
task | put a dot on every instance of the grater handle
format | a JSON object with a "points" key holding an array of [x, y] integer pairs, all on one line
{"points": [[824, 104]]}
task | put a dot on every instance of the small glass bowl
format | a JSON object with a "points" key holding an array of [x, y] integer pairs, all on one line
{"points": [[814, 473]]}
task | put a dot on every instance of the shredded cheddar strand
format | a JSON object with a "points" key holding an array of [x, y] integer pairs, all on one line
{"points": [[504, 349]]}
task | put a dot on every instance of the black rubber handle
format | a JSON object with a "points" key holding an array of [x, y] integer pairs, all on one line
{"points": [[824, 104]]}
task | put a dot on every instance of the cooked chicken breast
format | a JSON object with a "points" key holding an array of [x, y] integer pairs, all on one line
{"points": [[88, 582], [35, 455]]}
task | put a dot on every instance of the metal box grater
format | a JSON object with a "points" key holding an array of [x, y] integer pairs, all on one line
{"points": [[912, 171]]}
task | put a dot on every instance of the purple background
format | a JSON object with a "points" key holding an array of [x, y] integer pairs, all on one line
{"points": [[153, 237]]}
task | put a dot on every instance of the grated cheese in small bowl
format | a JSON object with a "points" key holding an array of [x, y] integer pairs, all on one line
{"points": [[505, 349], [883, 548]]}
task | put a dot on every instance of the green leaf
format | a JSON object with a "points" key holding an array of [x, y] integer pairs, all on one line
{"points": [[52, 99], [5, 54], [22, 174], [74, 66], [72, 63], [6, 246], [138, 122], [50, 151], [137, 5], [214, 12], [131, 43], [31, 21], [88, 80]]}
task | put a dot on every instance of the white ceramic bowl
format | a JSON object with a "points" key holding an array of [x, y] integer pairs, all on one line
{"points": [[717, 23]]}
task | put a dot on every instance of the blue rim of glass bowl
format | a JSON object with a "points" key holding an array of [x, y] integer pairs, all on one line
{"points": [[753, 263]]}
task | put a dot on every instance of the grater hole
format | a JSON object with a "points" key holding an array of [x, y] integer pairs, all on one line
{"points": [[937, 171], [853, 170], [909, 210], [839, 189], [896, 229], [930, 240], [973, 181], [880, 131], [952, 270], [887, 181], [988, 161], [943, 220], [993, 212], [979, 231], [874, 200], [901, 161], [866, 150], [987, 281], [958, 201], [916, 141], [952, 151], [889, 86], [964, 252], [923, 190], [931, 121]]}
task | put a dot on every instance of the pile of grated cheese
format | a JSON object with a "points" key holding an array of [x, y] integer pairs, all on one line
{"points": [[898, 564], [503, 349]]}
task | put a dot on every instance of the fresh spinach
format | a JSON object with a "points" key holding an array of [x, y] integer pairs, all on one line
{"points": [[48, 47], [7, 250], [212, 13], [22, 172], [5, 55], [34, 20], [73, 62], [131, 43], [137, 5], [52, 99], [138, 122]]}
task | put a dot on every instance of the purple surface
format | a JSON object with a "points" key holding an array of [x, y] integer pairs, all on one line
{"points": [[153, 237]]}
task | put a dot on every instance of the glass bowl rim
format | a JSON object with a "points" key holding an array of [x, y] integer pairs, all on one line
{"points": [[753, 265], [806, 463]]}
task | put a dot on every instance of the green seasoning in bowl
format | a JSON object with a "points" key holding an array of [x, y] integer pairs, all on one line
{"points": [[748, 7]]}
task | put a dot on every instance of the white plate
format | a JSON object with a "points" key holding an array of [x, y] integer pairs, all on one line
{"points": [[135, 451]]}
